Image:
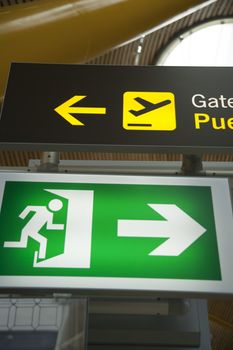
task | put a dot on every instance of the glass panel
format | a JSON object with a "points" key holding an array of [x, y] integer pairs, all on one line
{"points": [[43, 324], [206, 45]]}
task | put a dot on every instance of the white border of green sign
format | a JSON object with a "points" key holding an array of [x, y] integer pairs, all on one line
{"points": [[222, 209]]}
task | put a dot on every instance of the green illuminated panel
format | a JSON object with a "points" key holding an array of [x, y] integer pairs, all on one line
{"points": [[99, 226]]}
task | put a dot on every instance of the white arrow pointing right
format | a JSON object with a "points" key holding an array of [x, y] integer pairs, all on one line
{"points": [[180, 229]]}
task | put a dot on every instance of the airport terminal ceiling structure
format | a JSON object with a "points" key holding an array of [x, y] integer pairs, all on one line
{"points": [[143, 50]]}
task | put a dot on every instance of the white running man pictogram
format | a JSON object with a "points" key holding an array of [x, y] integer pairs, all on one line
{"points": [[42, 216]]}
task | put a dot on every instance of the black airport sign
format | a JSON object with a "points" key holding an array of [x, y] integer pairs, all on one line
{"points": [[118, 108]]}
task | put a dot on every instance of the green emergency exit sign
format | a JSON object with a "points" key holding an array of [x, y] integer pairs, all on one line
{"points": [[113, 232]]}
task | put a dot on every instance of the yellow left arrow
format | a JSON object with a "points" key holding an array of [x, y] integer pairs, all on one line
{"points": [[66, 109]]}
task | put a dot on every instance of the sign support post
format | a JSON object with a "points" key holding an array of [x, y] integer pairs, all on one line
{"points": [[192, 165], [49, 162]]}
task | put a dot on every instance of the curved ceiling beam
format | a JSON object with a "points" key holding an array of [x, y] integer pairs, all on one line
{"points": [[73, 31]]}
